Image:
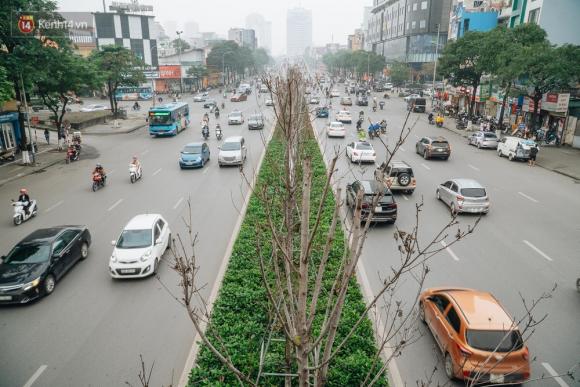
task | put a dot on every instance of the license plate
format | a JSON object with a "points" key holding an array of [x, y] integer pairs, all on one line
{"points": [[496, 378], [378, 209], [127, 271], [439, 149], [5, 298]]}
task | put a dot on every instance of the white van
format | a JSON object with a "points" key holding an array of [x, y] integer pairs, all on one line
{"points": [[233, 151], [515, 148]]}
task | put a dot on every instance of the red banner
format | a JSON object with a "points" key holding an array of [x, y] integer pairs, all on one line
{"points": [[169, 72]]}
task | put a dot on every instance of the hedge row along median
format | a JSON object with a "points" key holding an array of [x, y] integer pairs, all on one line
{"points": [[241, 312]]}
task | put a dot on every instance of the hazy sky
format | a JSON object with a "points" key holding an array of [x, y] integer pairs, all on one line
{"points": [[333, 20]]}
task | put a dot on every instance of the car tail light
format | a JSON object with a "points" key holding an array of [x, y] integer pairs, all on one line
{"points": [[526, 375], [526, 354], [392, 205], [463, 351], [466, 374], [365, 205], [460, 198]]}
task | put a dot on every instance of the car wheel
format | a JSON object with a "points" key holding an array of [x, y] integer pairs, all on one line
{"points": [[404, 179], [168, 242], [425, 156], [422, 312], [49, 285], [84, 251], [18, 220], [202, 163], [438, 195], [511, 157], [499, 152], [155, 266], [448, 365]]}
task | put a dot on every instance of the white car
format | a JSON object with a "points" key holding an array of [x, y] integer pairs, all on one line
{"points": [[235, 118], [233, 151], [140, 247], [334, 93], [94, 108], [335, 129], [199, 98], [344, 116], [388, 86], [269, 102], [361, 151], [314, 101], [411, 96]]}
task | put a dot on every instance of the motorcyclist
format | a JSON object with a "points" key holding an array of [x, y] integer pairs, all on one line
{"points": [[99, 170], [439, 119], [217, 112], [374, 129], [383, 125], [223, 105], [382, 104], [24, 199], [136, 106], [135, 161], [359, 123], [431, 117], [205, 130], [205, 117]]}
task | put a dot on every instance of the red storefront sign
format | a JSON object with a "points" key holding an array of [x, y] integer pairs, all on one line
{"points": [[169, 72]]}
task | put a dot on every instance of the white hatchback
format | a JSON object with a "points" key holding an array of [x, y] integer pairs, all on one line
{"points": [[344, 116], [361, 151], [335, 129], [139, 249]]}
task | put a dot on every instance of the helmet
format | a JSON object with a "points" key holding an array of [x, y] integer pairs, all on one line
{"points": [[23, 190], [134, 157], [99, 165]]}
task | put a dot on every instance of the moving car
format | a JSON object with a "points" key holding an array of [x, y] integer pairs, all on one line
{"points": [[263, 89], [515, 148], [233, 151], [193, 155], [209, 103], [334, 93], [344, 116], [256, 121], [94, 108], [322, 112], [362, 101], [418, 105], [479, 340], [335, 129], [314, 101], [483, 140], [361, 151], [388, 86], [140, 247], [430, 147], [398, 176], [411, 96], [239, 97], [463, 195], [346, 101], [199, 98], [32, 268], [269, 102], [386, 208], [236, 118]]}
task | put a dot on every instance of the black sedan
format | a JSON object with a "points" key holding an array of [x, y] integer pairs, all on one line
{"points": [[32, 268], [386, 207], [209, 103]]}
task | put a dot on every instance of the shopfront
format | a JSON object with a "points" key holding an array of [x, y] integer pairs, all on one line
{"points": [[169, 80], [9, 132]]}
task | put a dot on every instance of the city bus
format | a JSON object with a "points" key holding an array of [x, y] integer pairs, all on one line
{"points": [[168, 119], [129, 93]]}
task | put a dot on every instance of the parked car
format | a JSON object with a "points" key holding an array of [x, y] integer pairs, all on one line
{"points": [[236, 118], [361, 151], [483, 140], [346, 101], [209, 103], [193, 155], [430, 147], [269, 102], [32, 268], [199, 98], [398, 176], [314, 101], [386, 208], [94, 108], [256, 121], [463, 195], [362, 101], [335, 129], [344, 116], [515, 148], [233, 151], [322, 112], [239, 97], [417, 104], [140, 247], [479, 340]]}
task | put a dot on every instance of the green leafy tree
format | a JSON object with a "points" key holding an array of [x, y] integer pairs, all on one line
{"points": [[261, 59], [198, 72], [224, 57], [180, 44], [6, 87], [118, 66], [399, 73]]}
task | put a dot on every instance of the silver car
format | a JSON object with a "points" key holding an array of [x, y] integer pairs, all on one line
{"points": [[463, 195], [483, 140]]}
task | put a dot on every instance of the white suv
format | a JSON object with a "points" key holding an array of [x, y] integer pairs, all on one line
{"points": [[233, 151]]}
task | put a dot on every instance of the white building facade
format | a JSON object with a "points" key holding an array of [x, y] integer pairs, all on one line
{"points": [[298, 31]]}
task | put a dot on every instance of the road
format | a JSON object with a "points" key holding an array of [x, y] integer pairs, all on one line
{"points": [[527, 243], [92, 330]]}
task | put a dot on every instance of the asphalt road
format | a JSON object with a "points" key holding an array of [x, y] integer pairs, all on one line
{"points": [[91, 331], [527, 243]]}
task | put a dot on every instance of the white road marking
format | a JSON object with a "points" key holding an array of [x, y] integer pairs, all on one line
{"points": [[53, 206], [538, 250], [178, 203], [157, 171], [35, 376], [473, 167], [205, 170], [115, 204], [405, 197], [111, 172], [425, 166], [448, 249], [554, 374], [403, 149], [528, 197]]}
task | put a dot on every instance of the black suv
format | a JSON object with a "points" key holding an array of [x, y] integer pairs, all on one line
{"points": [[398, 176], [386, 208], [362, 101], [430, 147]]}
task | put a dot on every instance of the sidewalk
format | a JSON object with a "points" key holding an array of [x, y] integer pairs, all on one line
{"points": [[131, 124], [46, 156]]}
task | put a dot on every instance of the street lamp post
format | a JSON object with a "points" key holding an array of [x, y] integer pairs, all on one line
{"points": [[435, 66], [224, 66], [179, 53], [369, 66]]}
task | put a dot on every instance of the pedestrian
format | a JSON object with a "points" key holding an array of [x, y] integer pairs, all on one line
{"points": [[47, 136], [533, 153]]}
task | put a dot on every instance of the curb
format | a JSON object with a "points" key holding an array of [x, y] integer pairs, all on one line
{"points": [[126, 131], [28, 173], [575, 178]]}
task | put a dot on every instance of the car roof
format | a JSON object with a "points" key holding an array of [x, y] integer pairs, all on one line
{"points": [[143, 221], [371, 187], [236, 112], [481, 309], [46, 234], [336, 123], [399, 164], [234, 139], [436, 138], [467, 183], [194, 144]]}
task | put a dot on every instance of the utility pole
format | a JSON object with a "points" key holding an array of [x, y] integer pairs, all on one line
{"points": [[179, 52], [435, 66], [30, 142]]}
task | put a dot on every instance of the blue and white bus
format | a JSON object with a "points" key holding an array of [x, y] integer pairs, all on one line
{"points": [[130, 93], [168, 119]]}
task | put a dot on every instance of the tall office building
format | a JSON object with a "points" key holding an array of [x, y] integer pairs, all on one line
{"points": [[298, 31], [263, 29], [243, 37]]}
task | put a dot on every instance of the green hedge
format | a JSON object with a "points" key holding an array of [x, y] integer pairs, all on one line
{"points": [[240, 313]]}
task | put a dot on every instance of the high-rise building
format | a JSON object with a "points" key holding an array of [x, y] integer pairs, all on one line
{"points": [[365, 27], [191, 30], [263, 29], [356, 41], [243, 37], [298, 31], [471, 15]]}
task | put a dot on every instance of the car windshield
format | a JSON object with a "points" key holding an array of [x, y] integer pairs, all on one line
{"points": [[336, 125], [134, 239], [28, 253], [440, 144], [231, 146], [192, 149], [490, 135], [256, 117], [364, 146], [235, 115], [160, 119], [500, 341], [473, 192]]}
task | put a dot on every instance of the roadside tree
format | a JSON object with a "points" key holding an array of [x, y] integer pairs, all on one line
{"points": [[399, 73], [6, 87], [180, 44], [198, 72]]}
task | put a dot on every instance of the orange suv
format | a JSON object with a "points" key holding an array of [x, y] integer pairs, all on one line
{"points": [[480, 342]]}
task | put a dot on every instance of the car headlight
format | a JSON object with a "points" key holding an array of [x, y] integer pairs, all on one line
{"points": [[113, 258], [31, 284], [146, 256]]}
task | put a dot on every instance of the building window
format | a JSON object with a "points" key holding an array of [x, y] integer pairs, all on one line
{"points": [[409, 8], [413, 25], [415, 7], [423, 5], [422, 24], [407, 25], [534, 15]]}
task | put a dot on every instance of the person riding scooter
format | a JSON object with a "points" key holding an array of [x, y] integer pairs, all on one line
{"points": [[439, 120], [374, 130], [136, 106], [24, 199], [99, 170], [216, 112], [205, 131], [383, 125], [135, 161], [431, 118], [382, 104]]}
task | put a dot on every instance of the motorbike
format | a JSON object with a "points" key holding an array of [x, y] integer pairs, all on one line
{"points": [[223, 106], [136, 108], [374, 108], [384, 127], [359, 124], [135, 173], [73, 153], [218, 132], [205, 132], [98, 181], [217, 114], [461, 123], [382, 105], [20, 215], [439, 122]]}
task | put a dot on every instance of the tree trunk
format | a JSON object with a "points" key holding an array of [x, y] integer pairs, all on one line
{"points": [[537, 97], [23, 137], [111, 97], [505, 98], [473, 94]]}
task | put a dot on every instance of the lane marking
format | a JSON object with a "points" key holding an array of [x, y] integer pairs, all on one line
{"points": [[35, 376], [178, 203], [205, 171], [448, 249], [403, 149], [425, 166], [115, 204], [111, 172], [473, 167], [554, 374], [538, 250], [528, 197], [53, 206], [405, 197], [157, 171]]}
